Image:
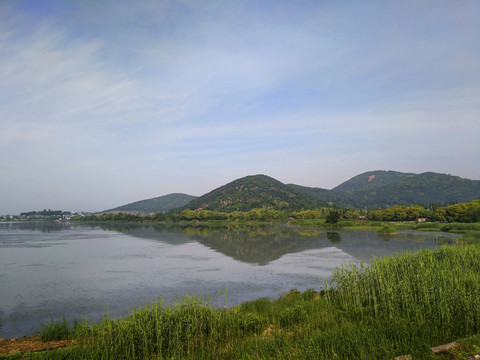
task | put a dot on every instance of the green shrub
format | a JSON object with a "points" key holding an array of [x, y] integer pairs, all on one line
{"points": [[292, 316], [386, 230]]}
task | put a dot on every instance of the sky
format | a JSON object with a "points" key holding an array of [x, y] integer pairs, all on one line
{"points": [[103, 103]]}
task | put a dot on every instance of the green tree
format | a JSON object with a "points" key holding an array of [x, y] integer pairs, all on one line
{"points": [[158, 216], [333, 217], [188, 215]]}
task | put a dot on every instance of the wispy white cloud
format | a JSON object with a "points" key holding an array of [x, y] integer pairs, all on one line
{"points": [[121, 101]]}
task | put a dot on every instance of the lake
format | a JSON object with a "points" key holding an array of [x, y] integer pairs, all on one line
{"points": [[49, 270]]}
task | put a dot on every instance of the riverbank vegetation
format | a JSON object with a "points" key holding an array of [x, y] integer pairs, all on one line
{"points": [[401, 305], [463, 213]]}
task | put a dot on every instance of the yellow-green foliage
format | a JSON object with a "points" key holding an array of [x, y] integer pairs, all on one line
{"points": [[465, 212]]}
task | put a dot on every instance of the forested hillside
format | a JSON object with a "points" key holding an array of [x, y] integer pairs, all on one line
{"points": [[158, 204], [394, 188], [427, 188], [254, 191], [371, 180]]}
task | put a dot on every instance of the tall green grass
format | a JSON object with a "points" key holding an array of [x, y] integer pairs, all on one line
{"points": [[436, 292], [190, 330]]}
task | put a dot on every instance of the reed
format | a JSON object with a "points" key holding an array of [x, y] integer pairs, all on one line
{"points": [[434, 289]]}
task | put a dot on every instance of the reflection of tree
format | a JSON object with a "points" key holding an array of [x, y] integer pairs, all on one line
{"points": [[43, 226], [309, 232], [385, 237], [334, 237]]}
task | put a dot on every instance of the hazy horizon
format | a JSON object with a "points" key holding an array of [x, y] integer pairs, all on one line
{"points": [[107, 103]]}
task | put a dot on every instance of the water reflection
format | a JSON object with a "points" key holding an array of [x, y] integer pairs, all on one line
{"points": [[261, 245], [250, 244], [334, 237], [255, 245], [42, 226]]}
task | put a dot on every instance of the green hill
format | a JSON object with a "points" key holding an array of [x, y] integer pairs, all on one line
{"points": [[158, 204], [424, 189], [255, 191], [386, 188], [328, 196], [372, 180]]}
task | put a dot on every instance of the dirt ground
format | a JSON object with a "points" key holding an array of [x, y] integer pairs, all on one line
{"points": [[30, 344]]}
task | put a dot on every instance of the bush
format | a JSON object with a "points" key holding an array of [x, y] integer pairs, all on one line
{"points": [[386, 230], [333, 217]]}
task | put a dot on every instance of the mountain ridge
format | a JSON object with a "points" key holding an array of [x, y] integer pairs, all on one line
{"points": [[157, 204], [426, 188], [379, 188], [251, 192], [372, 179], [402, 189]]}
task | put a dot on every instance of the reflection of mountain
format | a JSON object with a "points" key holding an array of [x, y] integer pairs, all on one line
{"points": [[253, 244], [167, 234], [268, 244], [264, 244], [258, 245]]}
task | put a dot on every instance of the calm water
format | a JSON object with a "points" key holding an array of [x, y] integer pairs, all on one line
{"points": [[48, 270]]}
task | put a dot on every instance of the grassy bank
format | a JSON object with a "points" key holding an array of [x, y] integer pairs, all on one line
{"points": [[398, 305]]}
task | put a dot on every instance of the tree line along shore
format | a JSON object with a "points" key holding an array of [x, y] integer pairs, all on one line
{"points": [[462, 212]]}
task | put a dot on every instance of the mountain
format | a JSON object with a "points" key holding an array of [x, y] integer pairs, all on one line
{"points": [[386, 188], [371, 189], [424, 189], [371, 180], [329, 196], [158, 204], [254, 191]]}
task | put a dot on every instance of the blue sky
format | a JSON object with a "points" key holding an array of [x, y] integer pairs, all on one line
{"points": [[103, 103]]}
